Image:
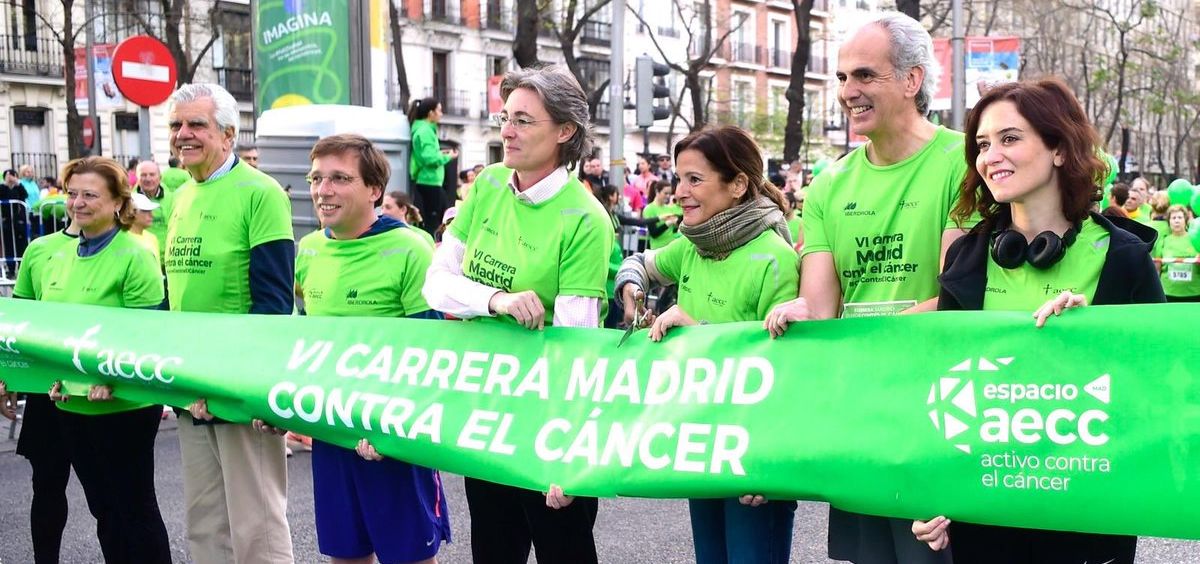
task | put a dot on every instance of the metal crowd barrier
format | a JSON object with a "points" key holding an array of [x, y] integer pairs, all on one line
{"points": [[18, 226]]}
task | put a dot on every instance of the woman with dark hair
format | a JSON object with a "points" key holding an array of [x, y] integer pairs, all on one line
{"points": [[1033, 169], [398, 206], [664, 214], [734, 263], [528, 249], [111, 441], [427, 162]]}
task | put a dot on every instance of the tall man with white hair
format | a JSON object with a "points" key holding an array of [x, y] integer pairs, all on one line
{"points": [[229, 250], [877, 225]]}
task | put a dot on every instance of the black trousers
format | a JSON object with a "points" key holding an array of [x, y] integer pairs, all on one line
{"points": [[986, 544], [43, 445], [431, 200], [113, 456], [505, 520], [48, 510]]}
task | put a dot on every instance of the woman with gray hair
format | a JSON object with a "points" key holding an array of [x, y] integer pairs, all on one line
{"points": [[529, 247]]}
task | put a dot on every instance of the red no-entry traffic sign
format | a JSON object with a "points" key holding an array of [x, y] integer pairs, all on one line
{"points": [[144, 70]]}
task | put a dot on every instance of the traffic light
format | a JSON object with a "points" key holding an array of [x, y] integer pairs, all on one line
{"points": [[649, 91]]}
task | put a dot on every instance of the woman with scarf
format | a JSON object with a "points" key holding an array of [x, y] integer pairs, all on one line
{"points": [[734, 263]]}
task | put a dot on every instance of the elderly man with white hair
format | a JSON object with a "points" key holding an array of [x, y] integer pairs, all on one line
{"points": [[233, 225]]}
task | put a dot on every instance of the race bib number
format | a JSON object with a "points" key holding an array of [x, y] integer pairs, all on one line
{"points": [[876, 309], [1179, 272]]}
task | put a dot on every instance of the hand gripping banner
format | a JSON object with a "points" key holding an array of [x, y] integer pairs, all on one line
{"points": [[975, 415]]}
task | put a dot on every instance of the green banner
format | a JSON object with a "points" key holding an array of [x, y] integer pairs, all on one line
{"points": [[302, 53], [978, 416]]}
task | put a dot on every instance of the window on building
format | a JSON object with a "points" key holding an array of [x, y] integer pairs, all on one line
{"points": [[231, 51], [497, 66], [495, 153], [29, 132], [595, 71], [31, 141], [441, 75], [118, 19], [125, 141]]}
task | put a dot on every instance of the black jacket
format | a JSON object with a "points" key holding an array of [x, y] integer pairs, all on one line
{"points": [[1128, 275]]}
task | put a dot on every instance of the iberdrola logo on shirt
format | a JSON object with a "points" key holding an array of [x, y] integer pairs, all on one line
{"points": [[982, 401]]}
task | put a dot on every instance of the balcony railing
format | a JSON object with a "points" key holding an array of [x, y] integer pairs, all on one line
{"points": [[743, 53], [44, 164], [31, 55], [597, 33], [603, 111], [781, 59], [454, 102], [239, 82], [819, 65]]}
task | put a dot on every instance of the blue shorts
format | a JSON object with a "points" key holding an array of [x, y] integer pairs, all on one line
{"points": [[390, 508]]}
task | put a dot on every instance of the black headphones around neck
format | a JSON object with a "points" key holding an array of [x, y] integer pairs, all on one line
{"points": [[1010, 250]]}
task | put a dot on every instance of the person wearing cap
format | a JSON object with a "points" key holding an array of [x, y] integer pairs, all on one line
{"points": [[446, 219], [150, 183], [143, 218]]}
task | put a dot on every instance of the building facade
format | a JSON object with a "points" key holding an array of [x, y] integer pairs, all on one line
{"points": [[33, 97]]}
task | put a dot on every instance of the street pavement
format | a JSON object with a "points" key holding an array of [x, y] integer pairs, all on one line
{"points": [[628, 529]]}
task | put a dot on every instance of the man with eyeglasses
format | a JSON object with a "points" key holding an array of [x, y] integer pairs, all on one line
{"points": [[367, 507], [229, 250]]}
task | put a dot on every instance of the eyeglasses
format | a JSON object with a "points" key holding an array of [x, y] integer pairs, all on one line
{"points": [[521, 123], [337, 178]]}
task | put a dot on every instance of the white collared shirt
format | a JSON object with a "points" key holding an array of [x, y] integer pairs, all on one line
{"points": [[447, 290]]}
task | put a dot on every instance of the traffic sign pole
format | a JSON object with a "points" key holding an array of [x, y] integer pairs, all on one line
{"points": [[144, 133]]}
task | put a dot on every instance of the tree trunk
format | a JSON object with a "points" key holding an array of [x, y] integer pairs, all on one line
{"points": [[793, 133], [398, 55], [75, 148], [699, 119], [525, 42], [910, 8]]}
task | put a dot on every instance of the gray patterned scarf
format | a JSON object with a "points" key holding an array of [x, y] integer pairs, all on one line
{"points": [[736, 226]]}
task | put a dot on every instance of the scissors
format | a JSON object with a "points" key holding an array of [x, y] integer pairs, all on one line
{"points": [[639, 317]]}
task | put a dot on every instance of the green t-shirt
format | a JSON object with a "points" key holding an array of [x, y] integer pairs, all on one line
{"points": [[423, 234], [32, 272], [123, 274], [1162, 227], [559, 247], [1178, 280], [213, 226], [795, 225], [653, 210], [379, 275], [1026, 288], [884, 224], [166, 201], [173, 178], [743, 287]]}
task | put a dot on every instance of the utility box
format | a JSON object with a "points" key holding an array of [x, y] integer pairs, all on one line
{"points": [[287, 135]]}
